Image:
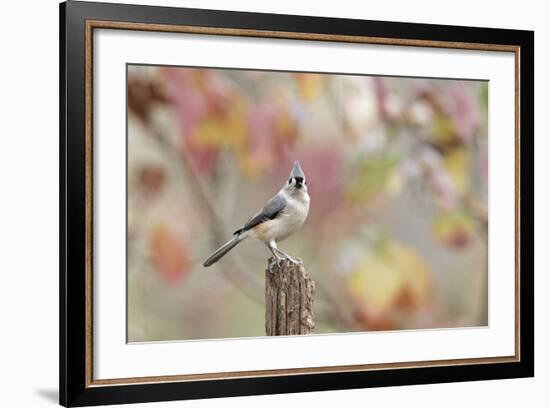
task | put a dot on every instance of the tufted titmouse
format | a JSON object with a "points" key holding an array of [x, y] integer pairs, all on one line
{"points": [[283, 215]]}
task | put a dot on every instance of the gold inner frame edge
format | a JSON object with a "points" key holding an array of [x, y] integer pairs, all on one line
{"points": [[98, 24]]}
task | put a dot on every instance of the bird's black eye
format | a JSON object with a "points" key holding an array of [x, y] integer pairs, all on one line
{"points": [[289, 181]]}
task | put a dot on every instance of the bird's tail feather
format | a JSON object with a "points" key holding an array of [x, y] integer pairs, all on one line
{"points": [[224, 249]]}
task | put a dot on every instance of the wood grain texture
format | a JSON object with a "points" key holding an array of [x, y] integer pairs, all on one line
{"points": [[289, 294]]}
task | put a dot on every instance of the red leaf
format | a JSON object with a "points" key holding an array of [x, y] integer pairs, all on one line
{"points": [[169, 254]]}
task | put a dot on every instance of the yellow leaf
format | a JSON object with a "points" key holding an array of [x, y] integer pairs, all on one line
{"points": [[285, 127], [309, 85], [443, 130], [252, 165], [457, 164], [375, 283], [225, 130], [389, 279], [418, 273], [235, 125], [394, 184], [455, 229]]}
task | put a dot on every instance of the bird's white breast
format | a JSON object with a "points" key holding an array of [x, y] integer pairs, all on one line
{"points": [[288, 221]]}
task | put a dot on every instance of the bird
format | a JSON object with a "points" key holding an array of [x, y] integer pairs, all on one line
{"points": [[281, 217]]}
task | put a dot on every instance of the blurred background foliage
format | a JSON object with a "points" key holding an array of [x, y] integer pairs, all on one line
{"points": [[397, 173]]}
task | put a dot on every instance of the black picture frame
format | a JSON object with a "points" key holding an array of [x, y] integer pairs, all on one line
{"points": [[75, 386]]}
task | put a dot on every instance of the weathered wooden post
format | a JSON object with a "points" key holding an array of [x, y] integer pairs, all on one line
{"points": [[289, 295]]}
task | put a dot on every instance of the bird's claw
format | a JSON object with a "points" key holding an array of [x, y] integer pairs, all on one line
{"points": [[295, 261], [280, 260]]}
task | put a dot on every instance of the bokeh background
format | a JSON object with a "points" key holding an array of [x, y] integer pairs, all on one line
{"points": [[396, 237]]}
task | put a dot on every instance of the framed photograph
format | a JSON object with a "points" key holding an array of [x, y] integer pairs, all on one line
{"points": [[258, 203]]}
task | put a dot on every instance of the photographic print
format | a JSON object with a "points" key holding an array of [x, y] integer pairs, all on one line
{"points": [[370, 190]]}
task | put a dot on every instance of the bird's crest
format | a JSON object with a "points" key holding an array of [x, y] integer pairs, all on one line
{"points": [[297, 171]]}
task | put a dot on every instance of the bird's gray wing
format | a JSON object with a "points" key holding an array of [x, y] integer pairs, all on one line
{"points": [[271, 210]]}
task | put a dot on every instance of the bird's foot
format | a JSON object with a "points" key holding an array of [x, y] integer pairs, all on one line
{"points": [[277, 260], [282, 256]]}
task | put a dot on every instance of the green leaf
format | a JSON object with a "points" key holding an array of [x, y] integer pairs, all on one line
{"points": [[372, 177]]}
